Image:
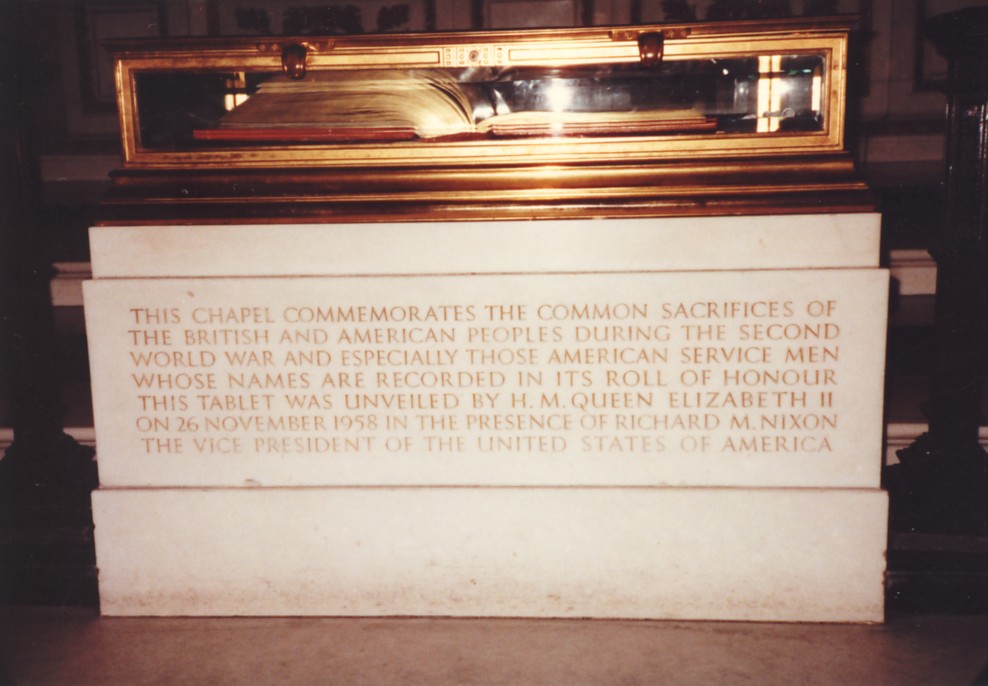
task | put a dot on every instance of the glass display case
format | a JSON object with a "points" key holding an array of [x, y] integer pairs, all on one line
{"points": [[698, 119], [464, 99]]}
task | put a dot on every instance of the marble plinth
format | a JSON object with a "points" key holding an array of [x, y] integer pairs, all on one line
{"points": [[669, 418], [809, 555]]}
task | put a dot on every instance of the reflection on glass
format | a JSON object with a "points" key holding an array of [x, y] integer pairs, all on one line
{"points": [[236, 91], [784, 89], [758, 94]]}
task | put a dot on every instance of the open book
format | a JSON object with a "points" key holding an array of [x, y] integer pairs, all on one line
{"points": [[391, 105]]}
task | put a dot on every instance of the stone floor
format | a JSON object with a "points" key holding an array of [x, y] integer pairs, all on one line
{"points": [[43, 646]]}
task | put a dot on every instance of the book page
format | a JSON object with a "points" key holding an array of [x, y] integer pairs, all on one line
{"points": [[423, 103]]}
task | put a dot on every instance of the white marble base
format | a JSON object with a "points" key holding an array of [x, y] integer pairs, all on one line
{"points": [[621, 245], [674, 553], [760, 530]]}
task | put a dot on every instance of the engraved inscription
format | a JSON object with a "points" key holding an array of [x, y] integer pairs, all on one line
{"points": [[462, 374]]}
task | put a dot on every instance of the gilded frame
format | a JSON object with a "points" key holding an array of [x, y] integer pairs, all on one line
{"points": [[551, 48]]}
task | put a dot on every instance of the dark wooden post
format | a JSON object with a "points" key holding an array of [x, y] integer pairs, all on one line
{"points": [[942, 483], [45, 473]]}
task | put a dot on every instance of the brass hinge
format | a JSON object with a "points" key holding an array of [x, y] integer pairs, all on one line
{"points": [[651, 44], [294, 55]]}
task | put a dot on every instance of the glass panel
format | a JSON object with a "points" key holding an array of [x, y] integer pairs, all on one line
{"points": [[754, 95]]}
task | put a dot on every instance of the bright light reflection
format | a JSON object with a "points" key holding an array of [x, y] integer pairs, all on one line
{"points": [[232, 100], [235, 86], [559, 96], [817, 90], [770, 90]]}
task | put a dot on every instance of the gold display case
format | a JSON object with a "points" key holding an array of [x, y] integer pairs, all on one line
{"points": [[707, 118]]}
